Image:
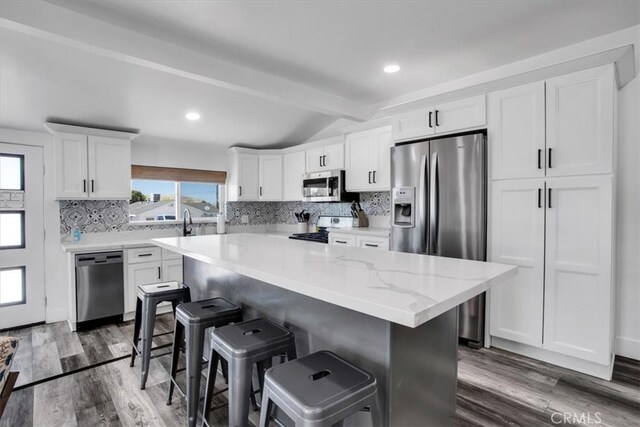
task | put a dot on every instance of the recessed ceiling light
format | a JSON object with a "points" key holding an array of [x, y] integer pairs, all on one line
{"points": [[392, 68], [192, 116]]}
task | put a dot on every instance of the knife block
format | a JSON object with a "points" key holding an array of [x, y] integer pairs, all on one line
{"points": [[363, 221]]}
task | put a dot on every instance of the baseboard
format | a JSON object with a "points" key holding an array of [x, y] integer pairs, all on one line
{"points": [[575, 364], [628, 347]]}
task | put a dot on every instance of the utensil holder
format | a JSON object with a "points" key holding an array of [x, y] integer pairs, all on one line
{"points": [[302, 227]]}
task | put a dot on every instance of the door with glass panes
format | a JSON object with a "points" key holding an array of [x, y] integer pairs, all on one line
{"points": [[22, 292]]}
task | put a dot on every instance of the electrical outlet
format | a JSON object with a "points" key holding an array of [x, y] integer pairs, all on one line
{"points": [[245, 219]]}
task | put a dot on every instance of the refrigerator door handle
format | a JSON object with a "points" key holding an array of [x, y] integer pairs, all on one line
{"points": [[433, 205], [421, 201]]}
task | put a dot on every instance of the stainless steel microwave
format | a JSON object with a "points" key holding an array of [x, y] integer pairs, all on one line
{"points": [[326, 186]]}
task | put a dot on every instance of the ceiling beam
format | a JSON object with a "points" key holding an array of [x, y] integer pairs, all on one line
{"points": [[59, 25]]}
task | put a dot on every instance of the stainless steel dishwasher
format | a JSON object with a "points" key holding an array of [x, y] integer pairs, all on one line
{"points": [[99, 287]]}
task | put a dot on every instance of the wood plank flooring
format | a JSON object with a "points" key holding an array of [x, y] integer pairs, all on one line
{"points": [[495, 388], [48, 350]]}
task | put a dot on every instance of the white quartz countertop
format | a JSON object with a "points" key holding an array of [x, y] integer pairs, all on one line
{"points": [[408, 289], [361, 231]]}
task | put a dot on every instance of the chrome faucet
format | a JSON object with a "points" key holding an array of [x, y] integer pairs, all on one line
{"points": [[186, 231]]}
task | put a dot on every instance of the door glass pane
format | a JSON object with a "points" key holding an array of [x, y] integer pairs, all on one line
{"points": [[11, 230], [200, 198], [11, 172], [12, 286]]}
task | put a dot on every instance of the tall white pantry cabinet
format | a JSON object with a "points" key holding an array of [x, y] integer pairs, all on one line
{"points": [[552, 214]]}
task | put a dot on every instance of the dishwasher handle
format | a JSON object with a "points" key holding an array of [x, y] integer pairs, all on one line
{"points": [[101, 258]]}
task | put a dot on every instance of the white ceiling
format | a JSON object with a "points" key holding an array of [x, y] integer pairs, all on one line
{"points": [[337, 47]]}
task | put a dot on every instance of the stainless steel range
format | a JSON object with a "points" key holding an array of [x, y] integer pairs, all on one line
{"points": [[324, 224]]}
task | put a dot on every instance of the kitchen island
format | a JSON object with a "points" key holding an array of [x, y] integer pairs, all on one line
{"points": [[392, 313]]}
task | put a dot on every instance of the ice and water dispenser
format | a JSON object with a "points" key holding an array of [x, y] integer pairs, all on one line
{"points": [[403, 206]]}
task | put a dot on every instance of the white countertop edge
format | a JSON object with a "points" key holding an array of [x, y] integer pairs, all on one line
{"points": [[381, 311]]}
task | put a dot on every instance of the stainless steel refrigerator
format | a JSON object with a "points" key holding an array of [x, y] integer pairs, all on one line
{"points": [[439, 207]]}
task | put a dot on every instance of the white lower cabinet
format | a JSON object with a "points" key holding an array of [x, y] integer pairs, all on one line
{"points": [[172, 270], [164, 266], [342, 239], [559, 231], [578, 268], [517, 238], [141, 274], [359, 241]]}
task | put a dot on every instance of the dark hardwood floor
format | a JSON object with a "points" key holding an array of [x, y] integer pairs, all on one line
{"points": [[495, 388]]}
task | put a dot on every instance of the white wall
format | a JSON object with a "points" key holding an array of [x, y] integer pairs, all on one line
{"points": [[628, 218]]}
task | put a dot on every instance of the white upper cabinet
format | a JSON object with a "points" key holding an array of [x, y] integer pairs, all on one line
{"points": [[293, 170], [413, 125], [92, 167], [71, 166], [580, 122], [109, 168], [563, 126], [333, 156], [460, 115], [243, 180], [578, 267], [517, 238], [368, 158], [517, 132], [327, 157], [270, 170], [443, 118]]}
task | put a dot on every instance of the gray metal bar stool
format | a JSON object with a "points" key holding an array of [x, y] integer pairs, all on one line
{"points": [[149, 296], [192, 320], [321, 389], [242, 345]]}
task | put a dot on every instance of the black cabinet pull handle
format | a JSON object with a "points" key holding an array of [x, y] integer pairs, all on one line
{"points": [[430, 114], [371, 245], [93, 187], [369, 177], [144, 255], [374, 177], [239, 190], [324, 161], [539, 158], [159, 273], [549, 161], [539, 197], [261, 190], [341, 241], [437, 123], [549, 197], [84, 185]]}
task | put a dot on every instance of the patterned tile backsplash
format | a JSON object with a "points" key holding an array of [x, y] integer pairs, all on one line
{"points": [[95, 216], [98, 216], [373, 204]]}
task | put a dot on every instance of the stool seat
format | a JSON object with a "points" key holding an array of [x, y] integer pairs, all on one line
{"points": [[250, 339], [159, 289], [215, 310], [320, 389]]}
